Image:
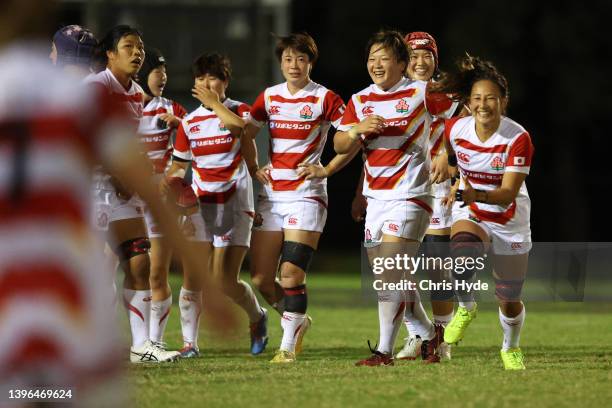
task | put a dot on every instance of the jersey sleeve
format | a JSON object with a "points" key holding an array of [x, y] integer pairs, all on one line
{"points": [[349, 119], [258, 114], [244, 111], [333, 108], [438, 104], [448, 125], [181, 144], [179, 110], [520, 154]]}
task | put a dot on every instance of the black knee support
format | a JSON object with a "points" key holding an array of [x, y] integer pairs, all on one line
{"points": [[296, 299], [465, 245], [437, 247], [298, 254], [508, 290], [132, 247]]}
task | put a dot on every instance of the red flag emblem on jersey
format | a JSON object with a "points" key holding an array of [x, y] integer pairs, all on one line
{"points": [[306, 112], [274, 110], [401, 107], [497, 163], [519, 161], [367, 110]]}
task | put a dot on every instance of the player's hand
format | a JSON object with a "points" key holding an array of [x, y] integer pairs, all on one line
{"points": [[263, 175], [439, 169], [449, 200], [358, 207], [171, 120], [469, 194], [206, 96], [311, 171], [371, 126]]}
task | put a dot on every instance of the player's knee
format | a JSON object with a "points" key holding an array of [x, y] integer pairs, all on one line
{"points": [[508, 291], [296, 299], [468, 246], [158, 278], [132, 247], [297, 254]]}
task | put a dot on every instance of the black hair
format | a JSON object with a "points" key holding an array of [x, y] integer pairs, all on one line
{"points": [[212, 64], [392, 40], [469, 71], [110, 41], [301, 42]]}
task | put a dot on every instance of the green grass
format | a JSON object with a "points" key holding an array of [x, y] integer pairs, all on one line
{"points": [[568, 350]]}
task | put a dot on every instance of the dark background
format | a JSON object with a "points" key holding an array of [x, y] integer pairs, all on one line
{"points": [[556, 57]]}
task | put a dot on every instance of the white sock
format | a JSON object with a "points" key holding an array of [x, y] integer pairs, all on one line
{"points": [[468, 305], [138, 305], [190, 305], [160, 311], [512, 329], [250, 304], [291, 323], [409, 326], [415, 313], [390, 316], [443, 319]]}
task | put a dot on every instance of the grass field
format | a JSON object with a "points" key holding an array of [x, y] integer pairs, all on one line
{"points": [[568, 350]]}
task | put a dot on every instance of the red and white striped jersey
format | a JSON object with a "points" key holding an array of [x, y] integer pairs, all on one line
{"points": [[509, 149], [54, 313], [156, 141], [218, 168], [131, 98], [298, 126], [397, 162]]}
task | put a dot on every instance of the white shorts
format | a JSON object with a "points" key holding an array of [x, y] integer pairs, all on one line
{"points": [[105, 195], [408, 219], [222, 226], [153, 229], [307, 214], [512, 238], [441, 216]]}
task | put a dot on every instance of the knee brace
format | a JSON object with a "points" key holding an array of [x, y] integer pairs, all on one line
{"points": [[465, 245], [298, 254], [508, 290], [436, 246], [296, 299], [132, 247]]}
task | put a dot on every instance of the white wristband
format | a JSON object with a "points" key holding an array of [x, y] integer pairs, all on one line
{"points": [[352, 134]]}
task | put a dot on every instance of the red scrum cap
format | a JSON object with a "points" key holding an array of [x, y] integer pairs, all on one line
{"points": [[420, 40]]}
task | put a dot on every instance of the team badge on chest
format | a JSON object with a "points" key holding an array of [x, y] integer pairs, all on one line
{"points": [[306, 112], [401, 107], [497, 163]]}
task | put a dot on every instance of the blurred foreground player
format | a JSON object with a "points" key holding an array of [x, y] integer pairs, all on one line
{"points": [[56, 326]]}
